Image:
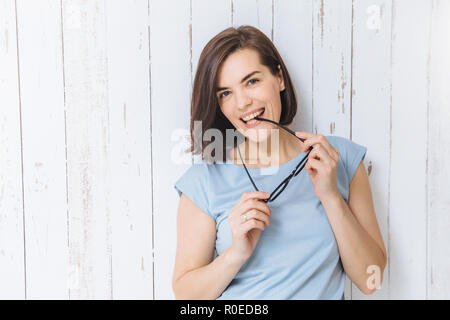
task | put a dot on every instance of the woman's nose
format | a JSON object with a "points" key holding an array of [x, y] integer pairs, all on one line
{"points": [[242, 100]]}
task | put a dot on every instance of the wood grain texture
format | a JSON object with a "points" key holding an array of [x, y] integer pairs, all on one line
{"points": [[332, 31], [438, 182], [12, 245], [170, 56], [257, 13], [407, 205], [293, 39], [331, 75], [208, 19], [88, 149], [370, 112], [44, 149], [127, 38]]}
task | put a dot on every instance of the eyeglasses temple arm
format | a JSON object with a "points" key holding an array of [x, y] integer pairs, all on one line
{"points": [[254, 185], [285, 128]]}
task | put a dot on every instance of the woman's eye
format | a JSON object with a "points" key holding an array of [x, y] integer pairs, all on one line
{"points": [[222, 94], [225, 93]]}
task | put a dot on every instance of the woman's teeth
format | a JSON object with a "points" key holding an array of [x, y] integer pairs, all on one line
{"points": [[249, 119]]}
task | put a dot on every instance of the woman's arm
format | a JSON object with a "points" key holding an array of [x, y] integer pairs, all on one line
{"points": [[196, 275], [357, 233]]}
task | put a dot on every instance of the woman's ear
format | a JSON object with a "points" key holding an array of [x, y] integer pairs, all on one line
{"points": [[281, 78]]}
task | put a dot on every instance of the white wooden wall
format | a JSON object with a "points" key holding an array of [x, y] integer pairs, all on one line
{"points": [[94, 93]]}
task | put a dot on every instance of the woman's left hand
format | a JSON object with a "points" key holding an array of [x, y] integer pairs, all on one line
{"points": [[322, 164]]}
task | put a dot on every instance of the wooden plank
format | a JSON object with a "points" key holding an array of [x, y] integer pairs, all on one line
{"points": [[12, 246], [332, 30], [257, 13], [293, 39], [130, 148], [332, 25], [208, 19], [438, 205], [170, 94], [407, 219], [88, 149], [371, 51], [44, 149]]}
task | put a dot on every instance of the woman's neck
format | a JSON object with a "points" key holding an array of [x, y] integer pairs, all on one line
{"points": [[271, 152]]}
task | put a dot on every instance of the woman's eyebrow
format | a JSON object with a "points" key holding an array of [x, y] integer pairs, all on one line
{"points": [[243, 79]]}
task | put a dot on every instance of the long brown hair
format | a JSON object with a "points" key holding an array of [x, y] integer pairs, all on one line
{"points": [[204, 103]]}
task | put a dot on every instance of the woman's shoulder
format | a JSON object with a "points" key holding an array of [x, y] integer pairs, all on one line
{"points": [[194, 183], [196, 170], [351, 153], [336, 141], [200, 171], [344, 145]]}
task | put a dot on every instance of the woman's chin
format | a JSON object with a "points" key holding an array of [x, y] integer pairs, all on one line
{"points": [[257, 135]]}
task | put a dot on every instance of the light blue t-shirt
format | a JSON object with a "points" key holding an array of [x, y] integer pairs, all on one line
{"points": [[297, 256]]}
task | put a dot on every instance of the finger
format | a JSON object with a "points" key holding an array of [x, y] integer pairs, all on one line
{"points": [[321, 154], [322, 140], [303, 137], [304, 134], [256, 204], [258, 215], [252, 224], [241, 206], [313, 140], [254, 195], [314, 164]]}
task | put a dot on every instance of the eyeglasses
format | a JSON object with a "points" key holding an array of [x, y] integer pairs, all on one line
{"points": [[278, 190]]}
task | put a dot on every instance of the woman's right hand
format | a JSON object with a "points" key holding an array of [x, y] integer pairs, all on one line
{"points": [[247, 219]]}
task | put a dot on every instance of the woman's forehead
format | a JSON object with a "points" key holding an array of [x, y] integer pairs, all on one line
{"points": [[237, 66]]}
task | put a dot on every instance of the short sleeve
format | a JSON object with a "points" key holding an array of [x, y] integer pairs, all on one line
{"points": [[351, 154], [194, 184]]}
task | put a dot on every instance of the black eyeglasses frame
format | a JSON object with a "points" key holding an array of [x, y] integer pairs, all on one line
{"points": [[280, 188]]}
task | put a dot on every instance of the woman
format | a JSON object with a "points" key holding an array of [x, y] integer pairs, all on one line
{"points": [[236, 243]]}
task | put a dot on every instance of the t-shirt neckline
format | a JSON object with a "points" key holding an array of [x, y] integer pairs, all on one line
{"points": [[283, 165]]}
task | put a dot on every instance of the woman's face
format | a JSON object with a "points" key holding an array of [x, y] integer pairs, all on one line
{"points": [[245, 87]]}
